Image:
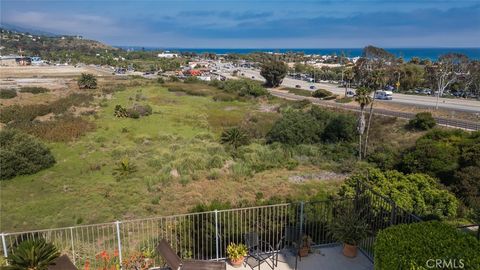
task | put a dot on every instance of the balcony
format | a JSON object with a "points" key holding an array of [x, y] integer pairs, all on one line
{"points": [[323, 258], [205, 236]]}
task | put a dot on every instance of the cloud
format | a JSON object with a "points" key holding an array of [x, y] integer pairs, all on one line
{"points": [[245, 15], [85, 24]]}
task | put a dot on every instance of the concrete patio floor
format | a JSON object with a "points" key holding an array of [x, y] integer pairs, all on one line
{"points": [[323, 258]]}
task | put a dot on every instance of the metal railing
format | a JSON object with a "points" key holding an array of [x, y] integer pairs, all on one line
{"points": [[206, 235]]}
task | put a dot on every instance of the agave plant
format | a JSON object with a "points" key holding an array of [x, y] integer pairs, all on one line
{"points": [[235, 137], [125, 167], [33, 254]]}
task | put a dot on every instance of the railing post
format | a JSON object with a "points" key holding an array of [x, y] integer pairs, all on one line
{"points": [[4, 245], [117, 223], [73, 246], [393, 214], [216, 234], [301, 219]]}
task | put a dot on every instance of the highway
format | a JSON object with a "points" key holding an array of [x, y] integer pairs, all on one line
{"points": [[420, 101]]}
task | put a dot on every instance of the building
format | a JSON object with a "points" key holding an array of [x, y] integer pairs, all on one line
{"points": [[15, 60], [167, 54]]}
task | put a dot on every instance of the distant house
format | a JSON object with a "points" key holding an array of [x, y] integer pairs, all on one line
{"points": [[194, 72], [167, 54], [15, 60]]}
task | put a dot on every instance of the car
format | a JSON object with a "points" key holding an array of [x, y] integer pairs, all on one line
{"points": [[312, 87], [298, 86], [384, 95], [243, 74], [253, 77]]}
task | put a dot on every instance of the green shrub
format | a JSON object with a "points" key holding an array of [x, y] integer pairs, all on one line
{"points": [[87, 81], [244, 87], [8, 93], [294, 128], [173, 79], [321, 93], [341, 128], [422, 121], [417, 193], [33, 89], [414, 246], [33, 254], [22, 154], [160, 80]]}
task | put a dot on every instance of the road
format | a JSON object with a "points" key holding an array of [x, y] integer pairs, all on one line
{"points": [[421, 101], [467, 125]]}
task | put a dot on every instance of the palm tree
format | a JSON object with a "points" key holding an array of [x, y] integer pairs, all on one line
{"points": [[376, 80], [235, 137], [348, 77], [363, 99]]}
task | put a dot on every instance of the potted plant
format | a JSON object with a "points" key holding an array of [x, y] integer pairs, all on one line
{"points": [[305, 245], [236, 254], [349, 227]]}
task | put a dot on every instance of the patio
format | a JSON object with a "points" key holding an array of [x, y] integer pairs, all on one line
{"points": [[324, 258]]}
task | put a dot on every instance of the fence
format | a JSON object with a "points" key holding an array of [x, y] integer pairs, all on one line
{"points": [[467, 125], [206, 235]]}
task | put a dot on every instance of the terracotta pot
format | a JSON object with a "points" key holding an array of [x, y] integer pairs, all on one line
{"points": [[237, 263], [303, 251], [349, 250]]}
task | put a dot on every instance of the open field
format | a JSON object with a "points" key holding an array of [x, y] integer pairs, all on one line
{"points": [[49, 71], [181, 135]]}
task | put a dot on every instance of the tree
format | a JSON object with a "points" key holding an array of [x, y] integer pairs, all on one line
{"points": [[363, 99], [348, 76], [234, 137], [87, 81], [274, 72], [296, 127], [448, 69]]}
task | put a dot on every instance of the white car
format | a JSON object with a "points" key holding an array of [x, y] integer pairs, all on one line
{"points": [[383, 95]]}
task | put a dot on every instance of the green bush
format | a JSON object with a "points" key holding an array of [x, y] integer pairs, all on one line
{"points": [[422, 121], [8, 93], [32, 254], [244, 87], [192, 79], [321, 93], [87, 81], [296, 127], [414, 246], [22, 154], [160, 80], [417, 193], [33, 89], [341, 128]]}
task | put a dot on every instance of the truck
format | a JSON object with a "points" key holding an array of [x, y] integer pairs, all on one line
{"points": [[383, 95]]}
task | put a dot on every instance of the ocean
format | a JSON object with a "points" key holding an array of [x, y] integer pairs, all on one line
{"points": [[406, 53]]}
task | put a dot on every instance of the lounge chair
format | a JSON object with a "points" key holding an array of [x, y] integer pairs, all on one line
{"points": [[175, 263], [62, 263]]}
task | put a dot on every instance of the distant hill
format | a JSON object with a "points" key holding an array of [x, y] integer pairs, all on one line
{"points": [[21, 29], [49, 46]]}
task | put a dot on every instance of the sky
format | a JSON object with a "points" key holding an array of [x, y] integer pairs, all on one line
{"points": [[255, 23]]}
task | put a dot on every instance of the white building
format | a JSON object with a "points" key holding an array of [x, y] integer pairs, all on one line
{"points": [[167, 55]]}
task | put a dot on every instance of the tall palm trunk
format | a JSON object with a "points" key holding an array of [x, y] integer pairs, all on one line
{"points": [[368, 127], [361, 129]]}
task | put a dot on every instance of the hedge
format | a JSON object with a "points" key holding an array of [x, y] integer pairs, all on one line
{"points": [[414, 246]]}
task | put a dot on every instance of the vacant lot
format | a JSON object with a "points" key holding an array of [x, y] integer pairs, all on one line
{"points": [[176, 154]]}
